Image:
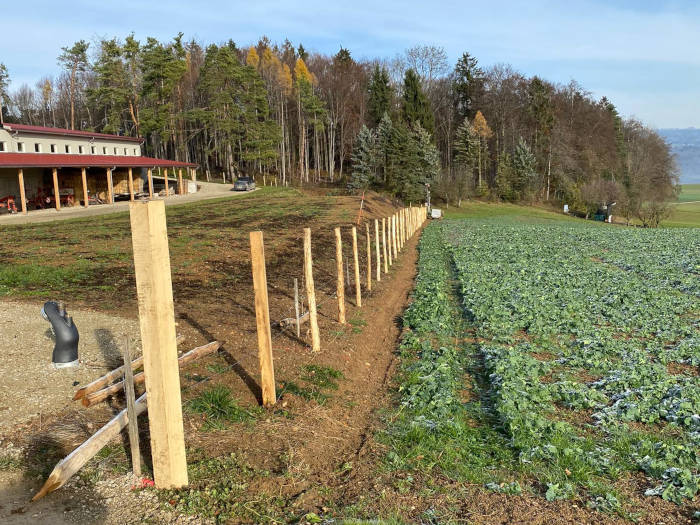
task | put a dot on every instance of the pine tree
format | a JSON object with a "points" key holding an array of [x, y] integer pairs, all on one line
{"points": [[468, 85], [505, 178], [4, 98], [110, 92], [384, 133], [379, 95], [484, 133], [364, 160], [416, 106], [524, 167], [74, 60], [466, 147]]}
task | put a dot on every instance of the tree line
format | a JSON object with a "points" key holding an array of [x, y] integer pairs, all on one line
{"points": [[393, 124]]}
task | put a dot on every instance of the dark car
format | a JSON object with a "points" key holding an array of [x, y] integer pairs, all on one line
{"points": [[244, 184]]}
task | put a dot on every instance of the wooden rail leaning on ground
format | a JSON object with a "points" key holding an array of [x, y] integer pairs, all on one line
{"points": [[72, 463], [100, 395], [115, 374]]}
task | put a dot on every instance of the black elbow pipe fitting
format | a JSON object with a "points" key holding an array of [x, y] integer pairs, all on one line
{"points": [[65, 353]]}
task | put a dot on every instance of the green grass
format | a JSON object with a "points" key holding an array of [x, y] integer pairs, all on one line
{"points": [[481, 210], [220, 409], [686, 213], [689, 192], [317, 380]]}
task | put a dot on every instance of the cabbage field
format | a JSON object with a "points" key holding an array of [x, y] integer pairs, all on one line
{"points": [[554, 358]]}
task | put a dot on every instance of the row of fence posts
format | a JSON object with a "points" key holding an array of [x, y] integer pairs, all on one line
{"points": [[396, 230], [157, 321]]}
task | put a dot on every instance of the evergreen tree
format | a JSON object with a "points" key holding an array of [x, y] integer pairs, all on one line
{"points": [[379, 95], [482, 130], [466, 147], [384, 133], [524, 167], [506, 178], [4, 98], [364, 160], [416, 106], [468, 85], [110, 92], [74, 60]]}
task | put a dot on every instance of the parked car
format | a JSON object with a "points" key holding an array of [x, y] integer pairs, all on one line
{"points": [[244, 184]]}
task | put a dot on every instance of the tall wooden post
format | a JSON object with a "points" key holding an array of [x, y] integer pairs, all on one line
{"points": [[131, 185], [393, 235], [22, 194], [340, 284], [150, 183], [179, 182], [157, 319], [165, 177], [356, 261], [296, 305], [376, 246], [369, 258], [262, 319], [311, 292], [83, 174], [387, 260], [56, 191], [110, 186]]}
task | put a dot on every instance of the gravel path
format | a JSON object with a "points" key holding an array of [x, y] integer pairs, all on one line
{"points": [[29, 386]]}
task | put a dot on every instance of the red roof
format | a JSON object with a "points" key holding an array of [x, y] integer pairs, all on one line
{"points": [[67, 132], [59, 160]]}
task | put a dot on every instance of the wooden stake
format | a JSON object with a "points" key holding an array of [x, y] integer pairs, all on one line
{"points": [[110, 186], [131, 185], [150, 183], [195, 353], [376, 246], [72, 463], [369, 258], [83, 174], [56, 192], [393, 237], [131, 412], [387, 259], [311, 292], [262, 319], [296, 304], [356, 261], [157, 319], [340, 285]]}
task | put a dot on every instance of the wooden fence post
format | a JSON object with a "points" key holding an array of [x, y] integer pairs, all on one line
{"points": [[157, 319], [262, 319], [393, 236], [340, 285], [356, 261], [133, 423], [376, 251], [311, 292], [369, 258], [387, 239]]}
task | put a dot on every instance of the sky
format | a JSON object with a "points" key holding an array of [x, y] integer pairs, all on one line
{"points": [[643, 55]]}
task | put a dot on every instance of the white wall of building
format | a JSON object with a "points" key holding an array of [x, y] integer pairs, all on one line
{"points": [[25, 142]]}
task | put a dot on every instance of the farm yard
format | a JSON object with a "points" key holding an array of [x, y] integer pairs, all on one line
{"points": [[539, 369]]}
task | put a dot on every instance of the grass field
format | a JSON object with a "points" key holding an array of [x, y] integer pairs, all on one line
{"points": [[686, 212], [553, 358]]}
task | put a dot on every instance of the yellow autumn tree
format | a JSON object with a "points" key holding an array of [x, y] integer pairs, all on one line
{"points": [[481, 128], [252, 59]]}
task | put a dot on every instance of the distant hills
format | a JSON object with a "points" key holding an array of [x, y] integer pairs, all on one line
{"points": [[685, 144]]}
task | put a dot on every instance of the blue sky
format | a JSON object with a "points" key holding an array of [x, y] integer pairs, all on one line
{"points": [[643, 55]]}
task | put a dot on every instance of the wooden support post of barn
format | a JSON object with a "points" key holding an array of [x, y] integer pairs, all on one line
{"points": [[356, 262], [376, 249], [110, 186], [22, 194], [262, 319], [83, 175], [56, 191], [150, 183], [131, 185], [369, 258], [165, 178], [180, 187], [340, 284], [160, 363], [311, 292]]}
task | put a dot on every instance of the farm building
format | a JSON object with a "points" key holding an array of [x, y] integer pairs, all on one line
{"points": [[44, 167]]}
